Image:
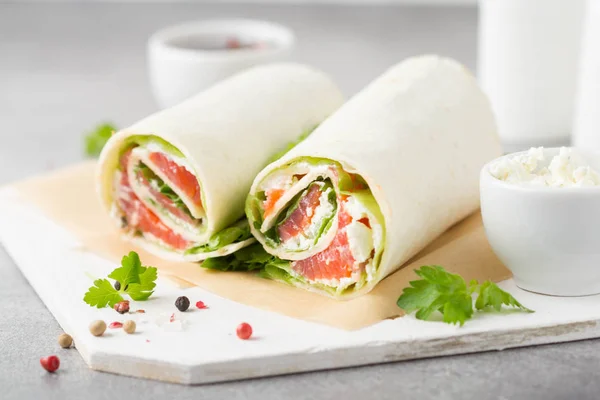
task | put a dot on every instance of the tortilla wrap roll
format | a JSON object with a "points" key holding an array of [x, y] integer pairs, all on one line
{"points": [[376, 182], [176, 182]]}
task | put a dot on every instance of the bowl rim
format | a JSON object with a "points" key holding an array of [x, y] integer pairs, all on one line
{"points": [[163, 39], [486, 176]]}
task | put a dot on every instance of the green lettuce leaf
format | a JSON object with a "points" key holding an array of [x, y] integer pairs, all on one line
{"points": [[292, 144], [238, 232], [249, 258]]}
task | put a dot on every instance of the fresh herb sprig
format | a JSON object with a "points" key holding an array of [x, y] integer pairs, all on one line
{"points": [[440, 290], [96, 139], [136, 281]]}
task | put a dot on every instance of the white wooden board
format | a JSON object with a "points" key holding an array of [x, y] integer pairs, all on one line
{"points": [[201, 345]]}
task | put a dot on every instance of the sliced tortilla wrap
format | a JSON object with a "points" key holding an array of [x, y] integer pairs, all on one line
{"points": [[377, 181], [176, 181]]}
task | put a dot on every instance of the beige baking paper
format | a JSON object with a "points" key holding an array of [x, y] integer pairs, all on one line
{"points": [[68, 198]]}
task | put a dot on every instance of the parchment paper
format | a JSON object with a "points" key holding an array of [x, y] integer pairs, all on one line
{"points": [[68, 198]]}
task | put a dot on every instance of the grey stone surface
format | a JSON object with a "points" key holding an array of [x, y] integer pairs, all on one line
{"points": [[63, 68]]}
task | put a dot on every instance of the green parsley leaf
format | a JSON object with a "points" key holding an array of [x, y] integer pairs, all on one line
{"points": [[136, 281], [421, 294], [440, 291], [96, 139], [102, 294], [144, 289], [490, 295], [458, 309], [129, 272], [447, 293]]}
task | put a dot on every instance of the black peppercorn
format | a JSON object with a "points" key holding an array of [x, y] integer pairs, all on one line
{"points": [[182, 303], [117, 285]]}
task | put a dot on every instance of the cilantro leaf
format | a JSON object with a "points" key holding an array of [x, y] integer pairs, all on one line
{"points": [[136, 281], [447, 293], [96, 139], [144, 289], [102, 294], [490, 295], [130, 270]]}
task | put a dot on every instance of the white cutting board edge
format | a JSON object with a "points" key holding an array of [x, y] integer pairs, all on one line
{"points": [[206, 349]]}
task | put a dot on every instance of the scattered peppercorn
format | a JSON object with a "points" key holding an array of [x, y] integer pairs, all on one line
{"points": [[97, 328], [244, 331], [122, 307], [117, 285], [182, 303], [115, 325], [201, 305], [50, 363], [65, 341], [129, 326]]}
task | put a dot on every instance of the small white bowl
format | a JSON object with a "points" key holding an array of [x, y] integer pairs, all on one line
{"points": [[548, 237], [185, 59]]}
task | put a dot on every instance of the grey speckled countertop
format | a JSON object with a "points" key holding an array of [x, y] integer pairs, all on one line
{"points": [[65, 67]]}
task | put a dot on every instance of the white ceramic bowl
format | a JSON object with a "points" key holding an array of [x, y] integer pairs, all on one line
{"points": [[185, 59], [548, 237]]}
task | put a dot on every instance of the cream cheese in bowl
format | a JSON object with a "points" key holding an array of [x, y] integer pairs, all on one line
{"points": [[541, 212], [566, 169]]}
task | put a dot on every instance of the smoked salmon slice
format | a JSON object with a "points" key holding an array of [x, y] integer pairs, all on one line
{"points": [[165, 201], [139, 217], [179, 175], [335, 262], [272, 196], [301, 218]]}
